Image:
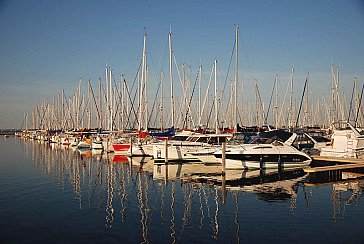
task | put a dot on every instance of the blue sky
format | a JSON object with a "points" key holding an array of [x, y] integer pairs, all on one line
{"points": [[48, 45]]}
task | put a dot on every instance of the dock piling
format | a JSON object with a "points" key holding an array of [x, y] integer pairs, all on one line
{"points": [[223, 157], [166, 152], [131, 147]]}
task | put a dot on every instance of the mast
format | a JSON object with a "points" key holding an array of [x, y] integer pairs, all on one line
{"points": [[119, 92], [78, 103], [107, 97], [334, 98], [123, 104], [146, 98], [141, 84], [276, 107], [170, 75], [89, 105], [82, 109], [100, 104], [111, 100], [199, 94], [235, 118], [242, 101], [216, 107], [161, 102], [62, 112], [290, 112]]}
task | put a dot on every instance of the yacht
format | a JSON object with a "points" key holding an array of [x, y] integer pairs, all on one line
{"points": [[347, 143], [145, 148], [196, 147], [272, 149]]}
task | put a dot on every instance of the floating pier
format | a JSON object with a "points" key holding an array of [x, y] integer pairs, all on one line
{"points": [[349, 163], [339, 160], [334, 167]]}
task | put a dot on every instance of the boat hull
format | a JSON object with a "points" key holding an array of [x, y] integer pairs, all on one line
{"points": [[121, 148], [245, 160], [175, 153]]}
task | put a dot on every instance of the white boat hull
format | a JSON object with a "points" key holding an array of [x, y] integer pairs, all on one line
{"points": [[264, 156]]}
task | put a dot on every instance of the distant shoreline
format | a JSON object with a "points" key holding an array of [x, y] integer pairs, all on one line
{"points": [[8, 132]]}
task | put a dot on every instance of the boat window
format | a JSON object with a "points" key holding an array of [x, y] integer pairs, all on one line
{"points": [[202, 139], [277, 143], [179, 138], [259, 140], [192, 139], [262, 147], [321, 139]]}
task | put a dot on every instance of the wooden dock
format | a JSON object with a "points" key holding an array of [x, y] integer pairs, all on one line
{"points": [[343, 164], [334, 167], [339, 160]]}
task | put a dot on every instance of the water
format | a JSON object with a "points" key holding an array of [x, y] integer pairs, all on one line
{"points": [[51, 194]]}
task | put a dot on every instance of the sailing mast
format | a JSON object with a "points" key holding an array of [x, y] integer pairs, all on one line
{"points": [[107, 96], [290, 109], [170, 75], [78, 104], [123, 97], [235, 118], [89, 105], [100, 104], [141, 84], [199, 96], [334, 112], [111, 100], [146, 97], [161, 101], [216, 107], [276, 107]]}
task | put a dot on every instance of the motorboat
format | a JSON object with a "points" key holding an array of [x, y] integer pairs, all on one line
{"points": [[272, 149], [346, 143], [148, 147], [193, 148]]}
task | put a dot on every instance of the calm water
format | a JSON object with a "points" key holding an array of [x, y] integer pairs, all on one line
{"points": [[50, 194]]}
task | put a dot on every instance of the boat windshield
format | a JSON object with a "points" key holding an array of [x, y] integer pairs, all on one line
{"points": [[260, 140], [180, 138], [321, 139]]}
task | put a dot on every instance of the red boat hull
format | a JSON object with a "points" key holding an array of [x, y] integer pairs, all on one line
{"points": [[121, 148]]}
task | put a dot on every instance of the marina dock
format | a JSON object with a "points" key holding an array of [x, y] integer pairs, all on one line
{"points": [[334, 167], [339, 160], [342, 164]]}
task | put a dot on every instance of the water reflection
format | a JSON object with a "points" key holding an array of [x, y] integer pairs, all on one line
{"points": [[346, 188], [182, 199]]}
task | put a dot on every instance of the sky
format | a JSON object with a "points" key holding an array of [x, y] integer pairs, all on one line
{"points": [[48, 45]]}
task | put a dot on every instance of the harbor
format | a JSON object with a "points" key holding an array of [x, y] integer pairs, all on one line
{"points": [[181, 122]]}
